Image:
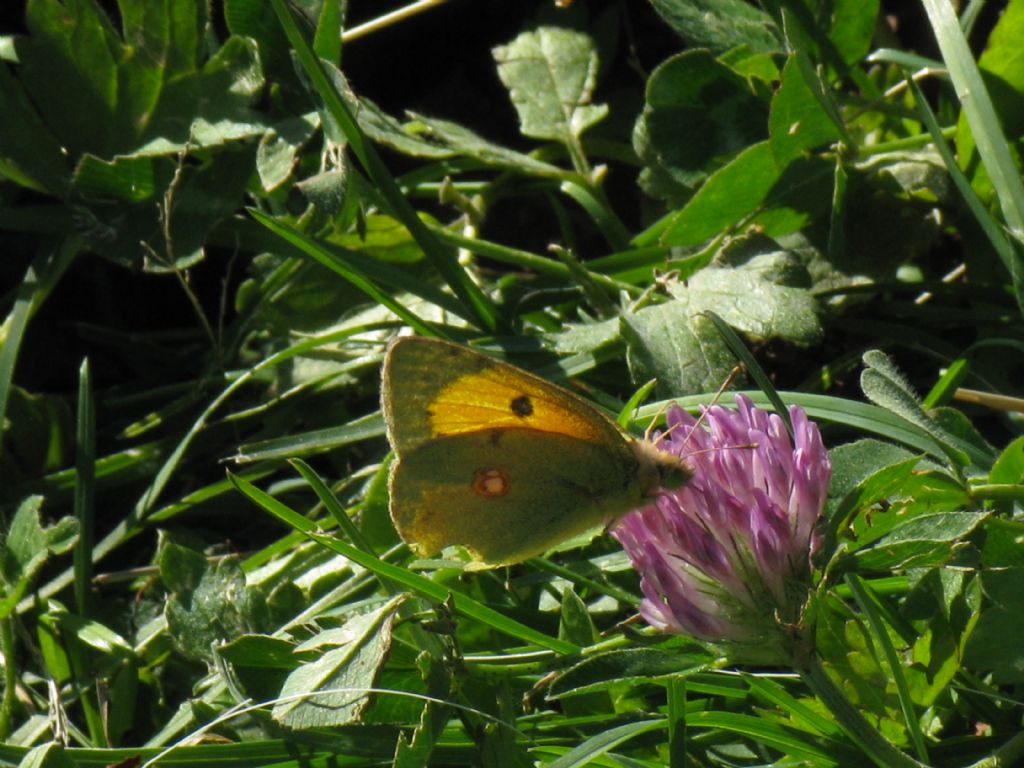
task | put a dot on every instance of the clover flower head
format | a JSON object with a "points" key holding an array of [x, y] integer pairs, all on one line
{"points": [[726, 557]]}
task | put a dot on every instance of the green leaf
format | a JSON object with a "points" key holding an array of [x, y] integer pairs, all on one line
{"points": [[92, 634], [135, 235], [683, 351], [415, 752], [550, 73], [209, 602], [854, 463], [1009, 467], [731, 193], [27, 546], [209, 107], [997, 644], [925, 541], [30, 155], [49, 755], [852, 662], [576, 338], [854, 25], [765, 297], [798, 120], [721, 24], [878, 486], [279, 148], [574, 622], [459, 140], [884, 385], [106, 91], [327, 192], [384, 238], [387, 130], [339, 682], [697, 111], [260, 663], [631, 666], [254, 19], [261, 651]]}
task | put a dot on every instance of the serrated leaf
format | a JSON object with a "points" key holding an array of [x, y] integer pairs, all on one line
{"points": [[681, 350], [415, 752], [697, 110], [721, 24], [134, 235], [550, 73], [878, 486], [341, 679]]}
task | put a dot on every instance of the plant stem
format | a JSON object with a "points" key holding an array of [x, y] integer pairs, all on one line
{"points": [[10, 674]]}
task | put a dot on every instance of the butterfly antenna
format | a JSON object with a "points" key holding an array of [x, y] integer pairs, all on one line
{"points": [[650, 426], [736, 371]]}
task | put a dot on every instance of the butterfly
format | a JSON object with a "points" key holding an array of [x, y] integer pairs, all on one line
{"points": [[501, 461]]}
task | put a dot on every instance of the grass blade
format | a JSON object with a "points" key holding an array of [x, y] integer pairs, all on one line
{"points": [[981, 116]]}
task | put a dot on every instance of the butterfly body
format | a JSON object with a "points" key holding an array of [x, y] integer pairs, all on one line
{"points": [[501, 461]]}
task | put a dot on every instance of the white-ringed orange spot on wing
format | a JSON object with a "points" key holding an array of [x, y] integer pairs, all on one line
{"points": [[490, 483]]}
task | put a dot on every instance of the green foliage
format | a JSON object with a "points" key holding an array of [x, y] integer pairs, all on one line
{"points": [[222, 208]]}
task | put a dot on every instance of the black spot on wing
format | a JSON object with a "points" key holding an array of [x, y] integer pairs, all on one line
{"points": [[521, 406]]}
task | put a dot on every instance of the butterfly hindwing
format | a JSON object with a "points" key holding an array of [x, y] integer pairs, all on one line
{"points": [[494, 492]]}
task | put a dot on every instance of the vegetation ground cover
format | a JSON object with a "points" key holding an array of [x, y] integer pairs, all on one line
{"points": [[215, 217]]}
